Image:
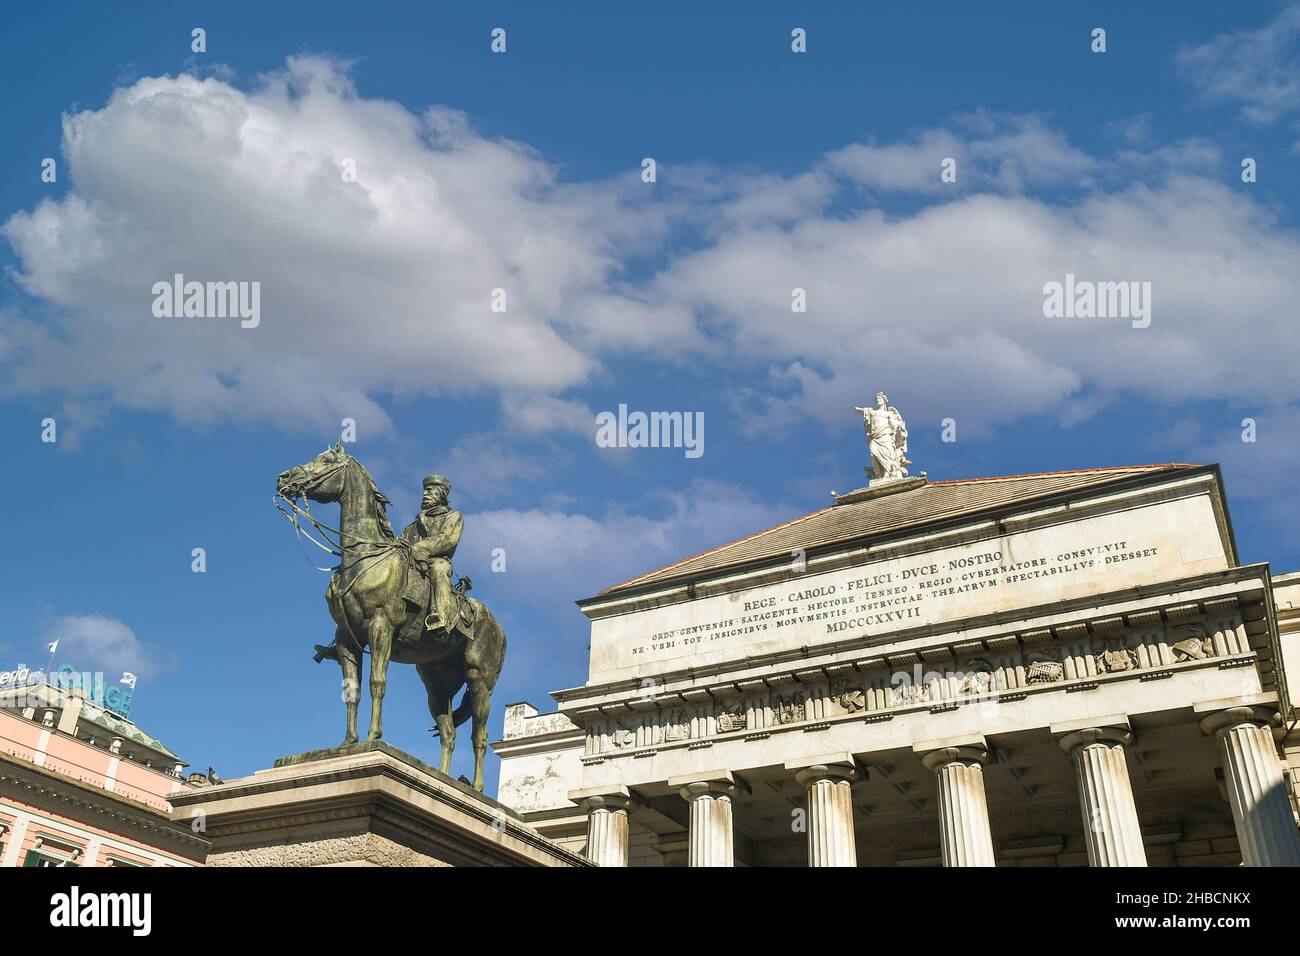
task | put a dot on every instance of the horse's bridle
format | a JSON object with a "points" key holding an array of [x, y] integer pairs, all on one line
{"points": [[378, 548]]}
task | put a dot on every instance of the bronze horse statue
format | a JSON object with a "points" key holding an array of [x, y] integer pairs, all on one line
{"points": [[366, 600]]}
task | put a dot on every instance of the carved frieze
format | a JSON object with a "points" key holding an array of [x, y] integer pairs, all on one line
{"points": [[1144, 645], [1115, 658], [677, 726], [623, 735], [1042, 669], [1196, 646], [850, 697], [731, 717], [788, 709]]}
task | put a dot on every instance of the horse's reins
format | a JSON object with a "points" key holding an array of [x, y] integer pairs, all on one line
{"points": [[381, 548], [300, 532]]}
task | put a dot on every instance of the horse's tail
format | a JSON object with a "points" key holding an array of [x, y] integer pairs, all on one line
{"points": [[463, 711]]}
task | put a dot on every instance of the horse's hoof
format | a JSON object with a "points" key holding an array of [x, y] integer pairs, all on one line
{"points": [[348, 741]]}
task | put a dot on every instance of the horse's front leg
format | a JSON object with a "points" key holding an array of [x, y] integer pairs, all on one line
{"points": [[380, 633]]}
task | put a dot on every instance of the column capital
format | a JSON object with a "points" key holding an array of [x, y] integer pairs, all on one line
{"points": [[1219, 716], [832, 766], [1109, 729], [607, 797], [937, 754], [716, 782]]}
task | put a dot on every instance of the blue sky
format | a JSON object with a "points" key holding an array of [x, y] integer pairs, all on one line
{"points": [[522, 171]]}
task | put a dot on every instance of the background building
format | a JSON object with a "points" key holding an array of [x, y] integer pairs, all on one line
{"points": [[82, 786], [1038, 670]]}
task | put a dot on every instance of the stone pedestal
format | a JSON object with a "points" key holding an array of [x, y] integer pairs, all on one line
{"points": [[1110, 820], [369, 804], [1252, 773], [607, 823], [712, 832], [965, 836], [828, 781]]}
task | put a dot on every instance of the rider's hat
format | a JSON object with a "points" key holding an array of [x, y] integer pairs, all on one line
{"points": [[438, 481]]}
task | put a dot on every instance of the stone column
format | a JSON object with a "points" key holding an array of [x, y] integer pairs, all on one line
{"points": [[712, 833], [964, 833], [1110, 820], [828, 780], [607, 823], [1266, 827]]}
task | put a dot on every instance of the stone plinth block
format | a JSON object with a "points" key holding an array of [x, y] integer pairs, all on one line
{"points": [[368, 804]]}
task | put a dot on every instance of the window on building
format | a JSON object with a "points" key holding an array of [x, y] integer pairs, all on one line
{"points": [[48, 852]]}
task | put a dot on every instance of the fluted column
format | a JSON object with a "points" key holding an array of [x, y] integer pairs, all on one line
{"points": [[712, 833], [828, 782], [965, 836], [1261, 810], [1110, 820], [607, 823]]}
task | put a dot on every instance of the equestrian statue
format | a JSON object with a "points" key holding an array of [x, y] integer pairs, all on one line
{"points": [[393, 595]]}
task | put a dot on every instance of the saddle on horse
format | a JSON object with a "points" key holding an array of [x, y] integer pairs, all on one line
{"points": [[418, 593]]}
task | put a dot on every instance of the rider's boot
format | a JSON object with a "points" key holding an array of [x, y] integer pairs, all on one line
{"points": [[323, 652], [434, 627]]}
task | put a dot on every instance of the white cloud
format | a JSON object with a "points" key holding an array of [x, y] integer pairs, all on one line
{"points": [[96, 642], [377, 285], [992, 152], [1258, 69], [381, 287], [543, 414], [554, 555], [486, 467], [945, 304]]}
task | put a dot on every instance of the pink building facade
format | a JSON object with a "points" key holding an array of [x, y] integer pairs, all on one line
{"points": [[81, 786]]}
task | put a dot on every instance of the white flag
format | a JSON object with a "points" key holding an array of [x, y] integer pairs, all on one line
{"points": [[128, 679], [53, 646]]}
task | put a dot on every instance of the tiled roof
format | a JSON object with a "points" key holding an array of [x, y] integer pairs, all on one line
{"points": [[124, 728], [932, 502]]}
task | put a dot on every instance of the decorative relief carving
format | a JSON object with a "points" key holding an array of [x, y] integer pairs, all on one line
{"points": [[907, 693], [978, 679], [623, 735], [850, 698], [731, 717], [788, 709], [677, 726], [1042, 669], [1112, 649], [1197, 646], [1115, 657]]}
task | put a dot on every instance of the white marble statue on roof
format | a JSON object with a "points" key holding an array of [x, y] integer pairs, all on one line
{"points": [[887, 440]]}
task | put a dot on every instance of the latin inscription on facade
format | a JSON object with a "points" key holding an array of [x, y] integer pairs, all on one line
{"points": [[1019, 570]]}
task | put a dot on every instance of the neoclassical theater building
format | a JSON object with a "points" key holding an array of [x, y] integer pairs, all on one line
{"points": [[1063, 669]]}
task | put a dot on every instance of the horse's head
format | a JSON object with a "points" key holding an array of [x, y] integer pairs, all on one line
{"points": [[320, 479]]}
